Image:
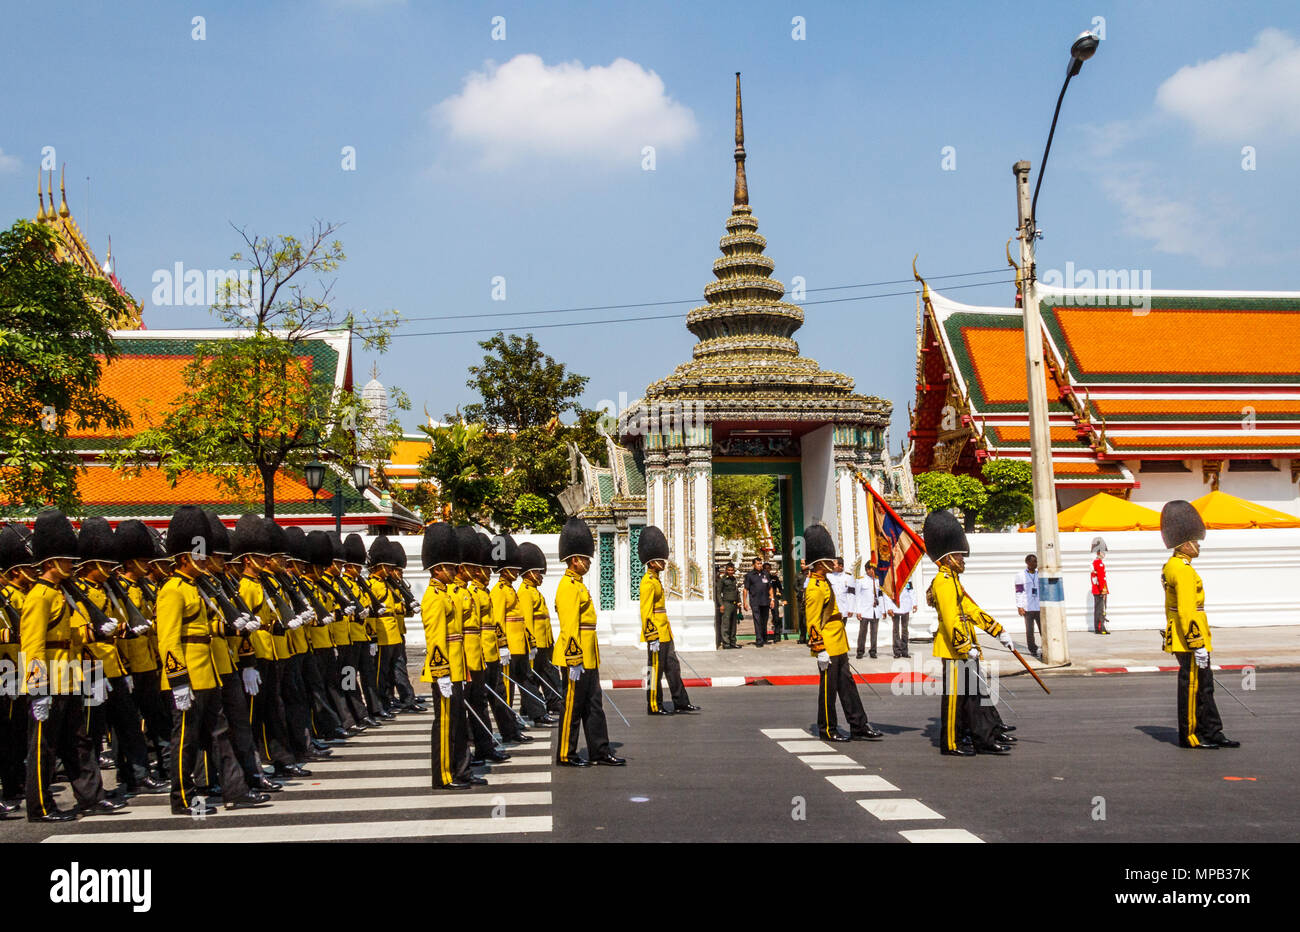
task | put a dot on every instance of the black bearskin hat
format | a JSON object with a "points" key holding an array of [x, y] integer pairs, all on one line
{"points": [[1179, 523], [250, 536], [133, 541], [220, 535], [320, 552], [354, 550], [440, 546], [53, 536], [652, 545], [818, 544], [576, 540], [531, 558], [943, 535], [95, 542], [188, 531], [503, 552]]}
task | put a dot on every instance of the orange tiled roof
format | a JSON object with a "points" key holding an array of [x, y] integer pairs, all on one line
{"points": [[1241, 440], [404, 461], [1201, 341], [1019, 435], [103, 485], [998, 359], [1191, 408]]}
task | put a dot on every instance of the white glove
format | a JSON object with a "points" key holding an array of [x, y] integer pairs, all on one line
{"points": [[1005, 639], [823, 660], [107, 628], [575, 673], [374, 650], [505, 655], [532, 654], [350, 610], [252, 680], [654, 647], [183, 696], [130, 684], [973, 654], [1202, 658], [98, 692], [295, 622], [444, 686], [140, 629], [254, 624], [41, 708], [240, 624], [328, 619]]}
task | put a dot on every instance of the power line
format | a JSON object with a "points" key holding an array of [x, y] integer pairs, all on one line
{"points": [[628, 320], [624, 307]]}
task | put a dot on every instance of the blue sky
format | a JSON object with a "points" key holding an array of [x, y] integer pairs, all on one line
{"points": [[473, 162]]}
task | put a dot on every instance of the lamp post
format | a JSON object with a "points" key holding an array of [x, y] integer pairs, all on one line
{"points": [[314, 474], [1056, 648]]}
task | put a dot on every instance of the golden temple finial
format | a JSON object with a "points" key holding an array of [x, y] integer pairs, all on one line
{"points": [[63, 193], [1012, 262], [742, 188], [40, 196], [925, 289]]}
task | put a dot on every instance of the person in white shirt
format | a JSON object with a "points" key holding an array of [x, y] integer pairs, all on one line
{"points": [[1027, 601], [868, 606], [900, 613]]}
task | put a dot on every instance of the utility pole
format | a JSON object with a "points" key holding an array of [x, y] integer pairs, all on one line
{"points": [[1056, 649]]}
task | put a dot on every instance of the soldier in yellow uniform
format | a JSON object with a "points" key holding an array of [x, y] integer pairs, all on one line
{"points": [[53, 681], [968, 722], [656, 632], [289, 544], [408, 606], [389, 625], [493, 638], [578, 653], [190, 672], [105, 631], [353, 662], [537, 630], [137, 644], [508, 607], [14, 584], [1187, 630], [476, 704], [444, 660], [829, 643]]}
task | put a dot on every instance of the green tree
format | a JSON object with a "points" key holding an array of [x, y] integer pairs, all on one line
{"points": [[251, 405], [458, 461], [523, 395], [942, 490], [534, 513], [734, 498], [1010, 494], [54, 339]]}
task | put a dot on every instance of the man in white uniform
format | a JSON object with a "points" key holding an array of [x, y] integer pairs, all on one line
{"points": [[1027, 601]]}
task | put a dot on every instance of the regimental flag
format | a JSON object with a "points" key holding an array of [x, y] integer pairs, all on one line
{"points": [[896, 549]]}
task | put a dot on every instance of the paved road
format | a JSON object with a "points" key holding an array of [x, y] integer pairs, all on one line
{"points": [[747, 769]]}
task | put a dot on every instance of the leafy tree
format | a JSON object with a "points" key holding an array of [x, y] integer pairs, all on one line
{"points": [[733, 515], [534, 513], [55, 322], [523, 393], [458, 461], [251, 405], [943, 490], [1010, 494]]}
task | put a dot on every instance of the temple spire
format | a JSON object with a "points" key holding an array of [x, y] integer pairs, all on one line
{"points": [[742, 189], [63, 193], [40, 196]]}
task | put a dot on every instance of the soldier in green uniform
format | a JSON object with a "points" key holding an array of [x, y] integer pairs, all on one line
{"points": [[1187, 631], [728, 608]]}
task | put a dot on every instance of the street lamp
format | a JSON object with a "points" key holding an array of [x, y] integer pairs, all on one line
{"points": [[314, 474], [1051, 590]]}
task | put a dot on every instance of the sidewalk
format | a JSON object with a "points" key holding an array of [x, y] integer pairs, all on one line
{"points": [[790, 663]]}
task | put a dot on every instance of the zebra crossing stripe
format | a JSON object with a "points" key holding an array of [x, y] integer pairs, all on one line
{"points": [[312, 805], [324, 831]]}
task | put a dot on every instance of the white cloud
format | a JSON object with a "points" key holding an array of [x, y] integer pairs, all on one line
{"points": [[8, 163], [1173, 226], [527, 109], [1240, 95]]}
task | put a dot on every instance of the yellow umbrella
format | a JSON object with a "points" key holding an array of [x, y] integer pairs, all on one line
{"points": [[1103, 512], [1221, 510]]}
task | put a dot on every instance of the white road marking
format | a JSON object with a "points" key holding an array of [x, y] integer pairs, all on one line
{"points": [[831, 762], [779, 733], [889, 810], [330, 831], [862, 783], [312, 804], [941, 835], [811, 746]]}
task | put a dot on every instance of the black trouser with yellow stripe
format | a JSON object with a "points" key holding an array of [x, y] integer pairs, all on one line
{"points": [[476, 701], [266, 712], [522, 675], [496, 697], [660, 663], [63, 736], [836, 680], [545, 669], [583, 704], [200, 729], [962, 713], [325, 721], [1198, 713], [130, 752], [297, 705], [450, 737], [349, 669], [234, 705], [155, 709]]}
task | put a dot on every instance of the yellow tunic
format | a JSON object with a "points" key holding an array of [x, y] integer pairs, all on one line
{"points": [[537, 618], [440, 619], [390, 631], [100, 648], [340, 628], [137, 650], [654, 613], [318, 633], [487, 626], [470, 626], [958, 616], [51, 644], [185, 635], [508, 618], [1186, 627], [577, 642], [10, 637], [825, 623]]}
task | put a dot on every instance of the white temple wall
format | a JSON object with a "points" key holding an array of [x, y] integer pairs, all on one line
{"points": [[1274, 489], [1156, 488], [818, 467]]}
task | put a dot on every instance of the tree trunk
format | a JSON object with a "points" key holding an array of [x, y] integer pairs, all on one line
{"points": [[968, 520], [268, 490]]}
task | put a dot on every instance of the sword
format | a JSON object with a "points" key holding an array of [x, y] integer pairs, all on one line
{"points": [[1239, 702], [976, 668], [617, 709], [518, 719], [515, 682], [541, 679], [688, 665], [854, 671], [491, 737]]}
